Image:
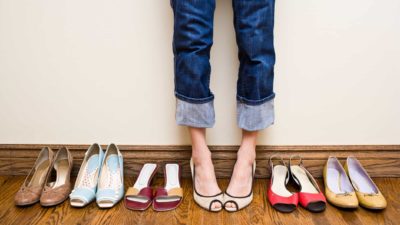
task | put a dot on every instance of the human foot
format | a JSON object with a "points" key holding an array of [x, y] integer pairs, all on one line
{"points": [[241, 181], [205, 181]]}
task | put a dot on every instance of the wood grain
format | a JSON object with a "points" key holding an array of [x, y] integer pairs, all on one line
{"points": [[379, 160], [259, 212]]}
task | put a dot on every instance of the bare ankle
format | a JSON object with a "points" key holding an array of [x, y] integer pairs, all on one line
{"points": [[245, 156], [200, 155]]}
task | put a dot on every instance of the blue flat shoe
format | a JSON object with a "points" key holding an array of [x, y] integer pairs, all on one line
{"points": [[85, 188], [111, 181]]}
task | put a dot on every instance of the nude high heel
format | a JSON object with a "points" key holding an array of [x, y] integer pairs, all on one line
{"points": [[31, 189], [240, 202], [205, 201]]}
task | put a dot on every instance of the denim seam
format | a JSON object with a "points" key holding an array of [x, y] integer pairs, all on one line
{"points": [[194, 100], [255, 102]]}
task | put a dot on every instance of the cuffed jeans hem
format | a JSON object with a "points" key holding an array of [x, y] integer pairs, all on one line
{"points": [[194, 100], [195, 115], [254, 102], [255, 117]]}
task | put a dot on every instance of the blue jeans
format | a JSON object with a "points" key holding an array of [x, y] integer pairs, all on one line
{"points": [[192, 41]]}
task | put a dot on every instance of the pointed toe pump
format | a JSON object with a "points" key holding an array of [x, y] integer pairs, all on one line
{"points": [[111, 181], [279, 196], [310, 195], [368, 194], [205, 201], [31, 189], [240, 202], [140, 196], [85, 188], [56, 192], [338, 189]]}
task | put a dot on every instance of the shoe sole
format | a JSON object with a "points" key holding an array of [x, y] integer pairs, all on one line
{"points": [[284, 208], [27, 204], [316, 207], [54, 204]]}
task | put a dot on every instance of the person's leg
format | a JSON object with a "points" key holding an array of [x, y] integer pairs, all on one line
{"points": [[254, 23], [241, 180], [192, 41], [205, 180], [254, 26]]}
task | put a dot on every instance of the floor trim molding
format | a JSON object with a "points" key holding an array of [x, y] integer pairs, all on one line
{"points": [[379, 160]]}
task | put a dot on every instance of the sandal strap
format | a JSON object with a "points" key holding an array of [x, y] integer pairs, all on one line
{"points": [[276, 157], [132, 191], [174, 192], [146, 192], [292, 157]]}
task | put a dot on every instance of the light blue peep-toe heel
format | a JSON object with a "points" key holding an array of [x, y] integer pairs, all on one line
{"points": [[111, 181], [85, 188]]}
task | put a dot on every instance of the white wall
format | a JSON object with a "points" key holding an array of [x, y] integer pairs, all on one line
{"points": [[84, 71]]}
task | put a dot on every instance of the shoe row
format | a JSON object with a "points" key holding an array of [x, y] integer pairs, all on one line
{"points": [[100, 177]]}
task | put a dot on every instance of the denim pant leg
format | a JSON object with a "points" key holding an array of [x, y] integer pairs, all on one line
{"points": [[254, 24], [192, 41]]}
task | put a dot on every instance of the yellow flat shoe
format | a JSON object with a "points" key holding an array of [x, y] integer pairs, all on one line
{"points": [[366, 190], [338, 188]]}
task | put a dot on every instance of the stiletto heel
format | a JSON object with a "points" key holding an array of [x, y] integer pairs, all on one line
{"points": [[205, 201]]}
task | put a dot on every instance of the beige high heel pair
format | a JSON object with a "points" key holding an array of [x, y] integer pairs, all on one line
{"points": [[223, 198]]}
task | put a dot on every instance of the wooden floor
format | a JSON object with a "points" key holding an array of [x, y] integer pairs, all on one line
{"points": [[259, 212]]}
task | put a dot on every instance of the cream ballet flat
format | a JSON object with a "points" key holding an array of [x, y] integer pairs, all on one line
{"points": [[240, 202], [205, 201]]}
